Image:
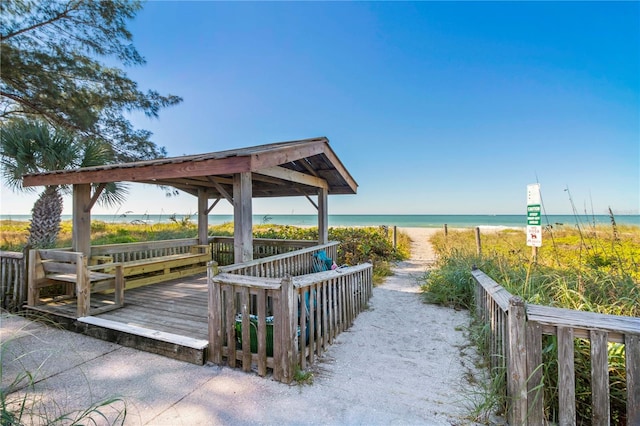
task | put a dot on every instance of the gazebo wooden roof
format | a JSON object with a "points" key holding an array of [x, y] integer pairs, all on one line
{"points": [[278, 170], [306, 167]]}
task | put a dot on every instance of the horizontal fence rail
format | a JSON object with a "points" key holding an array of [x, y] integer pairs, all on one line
{"points": [[276, 322], [223, 252], [12, 280], [515, 349], [292, 263]]}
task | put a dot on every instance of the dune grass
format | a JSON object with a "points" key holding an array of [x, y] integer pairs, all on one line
{"points": [[588, 268], [24, 400]]}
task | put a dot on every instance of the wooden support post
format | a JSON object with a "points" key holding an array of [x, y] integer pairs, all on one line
{"points": [[83, 291], [323, 216], [632, 351], [81, 228], [20, 287], [32, 292], [478, 242], [517, 362], [203, 217], [446, 230], [566, 377], [119, 290], [243, 218]]}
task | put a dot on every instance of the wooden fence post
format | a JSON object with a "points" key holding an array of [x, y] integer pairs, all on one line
{"points": [[22, 283], [535, 397], [599, 378], [517, 362], [214, 316], [395, 237], [478, 242], [286, 335], [446, 230], [83, 292], [566, 377], [31, 279], [632, 351]]}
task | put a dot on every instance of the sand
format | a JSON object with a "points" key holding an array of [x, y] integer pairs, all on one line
{"points": [[402, 362]]}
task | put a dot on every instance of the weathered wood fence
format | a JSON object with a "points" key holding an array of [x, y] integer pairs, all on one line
{"points": [[13, 289], [261, 315], [515, 349], [223, 254], [13, 274], [297, 262]]}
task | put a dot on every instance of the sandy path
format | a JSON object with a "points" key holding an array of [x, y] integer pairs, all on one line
{"points": [[401, 362]]}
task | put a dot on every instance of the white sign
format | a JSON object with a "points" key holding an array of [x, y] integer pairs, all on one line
{"points": [[534, 224], [534, 235], [533, 194]]}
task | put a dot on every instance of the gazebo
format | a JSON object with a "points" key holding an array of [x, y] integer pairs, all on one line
{"points": [[306, 168], [287, 303]]}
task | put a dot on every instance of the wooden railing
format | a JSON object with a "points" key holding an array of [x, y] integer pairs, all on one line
{"points": [[13, 277], [515, 349], [293, 263], [279, 322], [13, 290], [223, 254]]}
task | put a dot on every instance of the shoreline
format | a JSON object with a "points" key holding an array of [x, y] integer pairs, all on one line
{"points": [[450, 227], [341, 220]]}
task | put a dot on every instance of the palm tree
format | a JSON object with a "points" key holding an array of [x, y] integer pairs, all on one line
{"points": [[28, 146]]}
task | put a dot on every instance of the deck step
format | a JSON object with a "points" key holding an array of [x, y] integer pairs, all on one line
{"points": [[175, 339]]}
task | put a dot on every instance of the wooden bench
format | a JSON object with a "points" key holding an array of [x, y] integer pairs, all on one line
{"points": [[154, 261], [69, 269]]}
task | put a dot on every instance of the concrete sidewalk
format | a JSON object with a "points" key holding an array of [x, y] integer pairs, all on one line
{"points": [[402, 362]]}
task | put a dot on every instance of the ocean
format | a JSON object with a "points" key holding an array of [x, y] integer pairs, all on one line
{"points": [[414, 221]]}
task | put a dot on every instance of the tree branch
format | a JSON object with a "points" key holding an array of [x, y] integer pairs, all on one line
{"points": [[63, 15]]}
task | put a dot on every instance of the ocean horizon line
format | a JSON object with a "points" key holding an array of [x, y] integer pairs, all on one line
{"points": [[400, 220]]}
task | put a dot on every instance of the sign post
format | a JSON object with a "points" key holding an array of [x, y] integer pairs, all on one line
{"points": [[534, 217]]}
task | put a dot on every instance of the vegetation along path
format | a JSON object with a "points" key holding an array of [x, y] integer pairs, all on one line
{"points": [[402, 362]]}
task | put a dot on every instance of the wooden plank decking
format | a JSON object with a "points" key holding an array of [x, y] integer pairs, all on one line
{"points": [[168, 318]]}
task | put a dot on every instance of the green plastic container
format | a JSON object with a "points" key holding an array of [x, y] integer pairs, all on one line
{"points": [[253, 326]]}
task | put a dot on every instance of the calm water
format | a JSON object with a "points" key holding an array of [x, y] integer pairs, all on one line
{"points": [[420, 221]]}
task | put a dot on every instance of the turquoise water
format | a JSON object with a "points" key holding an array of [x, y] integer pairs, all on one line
{"points": [[419, 221]]}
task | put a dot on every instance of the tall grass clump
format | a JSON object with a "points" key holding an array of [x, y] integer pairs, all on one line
{"points": [[23, 399], [588, 268]]}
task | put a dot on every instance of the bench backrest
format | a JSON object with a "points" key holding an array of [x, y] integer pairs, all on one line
{"points": [[57, 262], [145, 250]]}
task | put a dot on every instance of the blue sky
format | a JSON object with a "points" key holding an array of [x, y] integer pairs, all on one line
{"points": [[434, 108]]}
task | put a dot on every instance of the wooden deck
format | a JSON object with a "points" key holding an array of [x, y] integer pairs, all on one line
{"points": [[168, 318]]}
